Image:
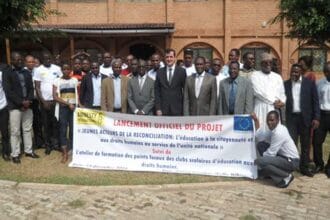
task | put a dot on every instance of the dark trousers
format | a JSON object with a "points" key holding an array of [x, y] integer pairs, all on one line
{"points": [[50, 126], [4, 121], [298, 129], [277, 167], [66, 119], [319, 138], [37, 125]]}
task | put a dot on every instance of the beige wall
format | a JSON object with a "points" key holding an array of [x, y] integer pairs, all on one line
{"points": [[220, 24]]}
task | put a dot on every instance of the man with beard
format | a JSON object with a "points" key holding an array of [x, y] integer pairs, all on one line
{"points": [[268, 90]]}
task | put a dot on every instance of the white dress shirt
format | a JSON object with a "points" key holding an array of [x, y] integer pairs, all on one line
{"points": [[296, 88], [280, 142], [142, 80], [323, 89], [96, 80], [117, 91], [219, 78], [198, 83]]}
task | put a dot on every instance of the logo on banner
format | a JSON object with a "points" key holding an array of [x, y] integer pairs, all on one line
{"points": [[243, 123], [90, 117]]}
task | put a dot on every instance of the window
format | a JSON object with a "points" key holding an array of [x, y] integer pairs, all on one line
{"points": [[87, 1], [203, 52], [318, 55], [257, 50], [139, 1], [190, 0]]}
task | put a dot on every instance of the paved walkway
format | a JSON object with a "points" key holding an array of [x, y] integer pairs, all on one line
{"points": [[306, 198]]}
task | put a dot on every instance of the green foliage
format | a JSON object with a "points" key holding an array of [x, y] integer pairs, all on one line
{"points": [[308, 20], [16, 16]]}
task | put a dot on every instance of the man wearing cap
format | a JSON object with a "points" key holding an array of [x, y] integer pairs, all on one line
{"points": [[268, 90]]}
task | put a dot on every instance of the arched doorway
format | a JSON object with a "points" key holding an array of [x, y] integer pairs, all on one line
{"points": [[257, 48], [142, 51]]}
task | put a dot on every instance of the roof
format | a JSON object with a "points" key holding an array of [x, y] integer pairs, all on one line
{"points": [[110, 28]]}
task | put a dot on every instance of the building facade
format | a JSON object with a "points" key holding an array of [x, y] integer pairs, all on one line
{"points": [[141, 27]]}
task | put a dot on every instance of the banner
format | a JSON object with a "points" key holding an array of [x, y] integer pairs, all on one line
{"points": [[207, 145]]}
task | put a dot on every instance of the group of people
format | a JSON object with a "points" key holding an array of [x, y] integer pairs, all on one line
{"points": [[42, 97]]}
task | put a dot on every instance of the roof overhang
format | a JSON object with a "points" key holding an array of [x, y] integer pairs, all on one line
{"points": [[110, 29]]}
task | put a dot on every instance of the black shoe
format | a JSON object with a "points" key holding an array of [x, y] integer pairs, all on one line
{"points": [[16, 160], [306, 172], [6, 157], [32, 155], [318, 169], [282, 184], [48, 150], [327, 170]]}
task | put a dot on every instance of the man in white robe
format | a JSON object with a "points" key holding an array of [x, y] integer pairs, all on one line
{"points": [[269, 93]]}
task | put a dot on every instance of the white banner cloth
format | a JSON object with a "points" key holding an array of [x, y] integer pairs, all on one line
{"points": [[207, 145]]}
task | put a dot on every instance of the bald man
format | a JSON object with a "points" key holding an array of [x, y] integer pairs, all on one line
{"points": [[114, 90]]}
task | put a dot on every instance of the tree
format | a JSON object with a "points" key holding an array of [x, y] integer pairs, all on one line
{"points": [[18, 15], [307, 20]]}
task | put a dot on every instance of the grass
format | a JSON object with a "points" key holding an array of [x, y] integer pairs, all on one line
{"points": [[48, 169]]}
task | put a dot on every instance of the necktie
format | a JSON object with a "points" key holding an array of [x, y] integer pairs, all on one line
{"points": [[140, 83], [232, 96], [170, 75]]}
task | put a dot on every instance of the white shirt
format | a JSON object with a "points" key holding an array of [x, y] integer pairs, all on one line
{"points": [[219, 78], [46, 76], [106, 70], [142, 80], [190, 70], [323, 89], [280, 141], [198, 83], [96, 89], [3, 100], [296, 87], [117, 91], [267, 89], [152, 74]]}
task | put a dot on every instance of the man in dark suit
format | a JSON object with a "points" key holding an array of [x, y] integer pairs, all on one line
{"points": [[18, 87], [169, 85], [4, 117], [141, 94], [236, 93], [90, 88], [200, 91], [302, 112]]}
